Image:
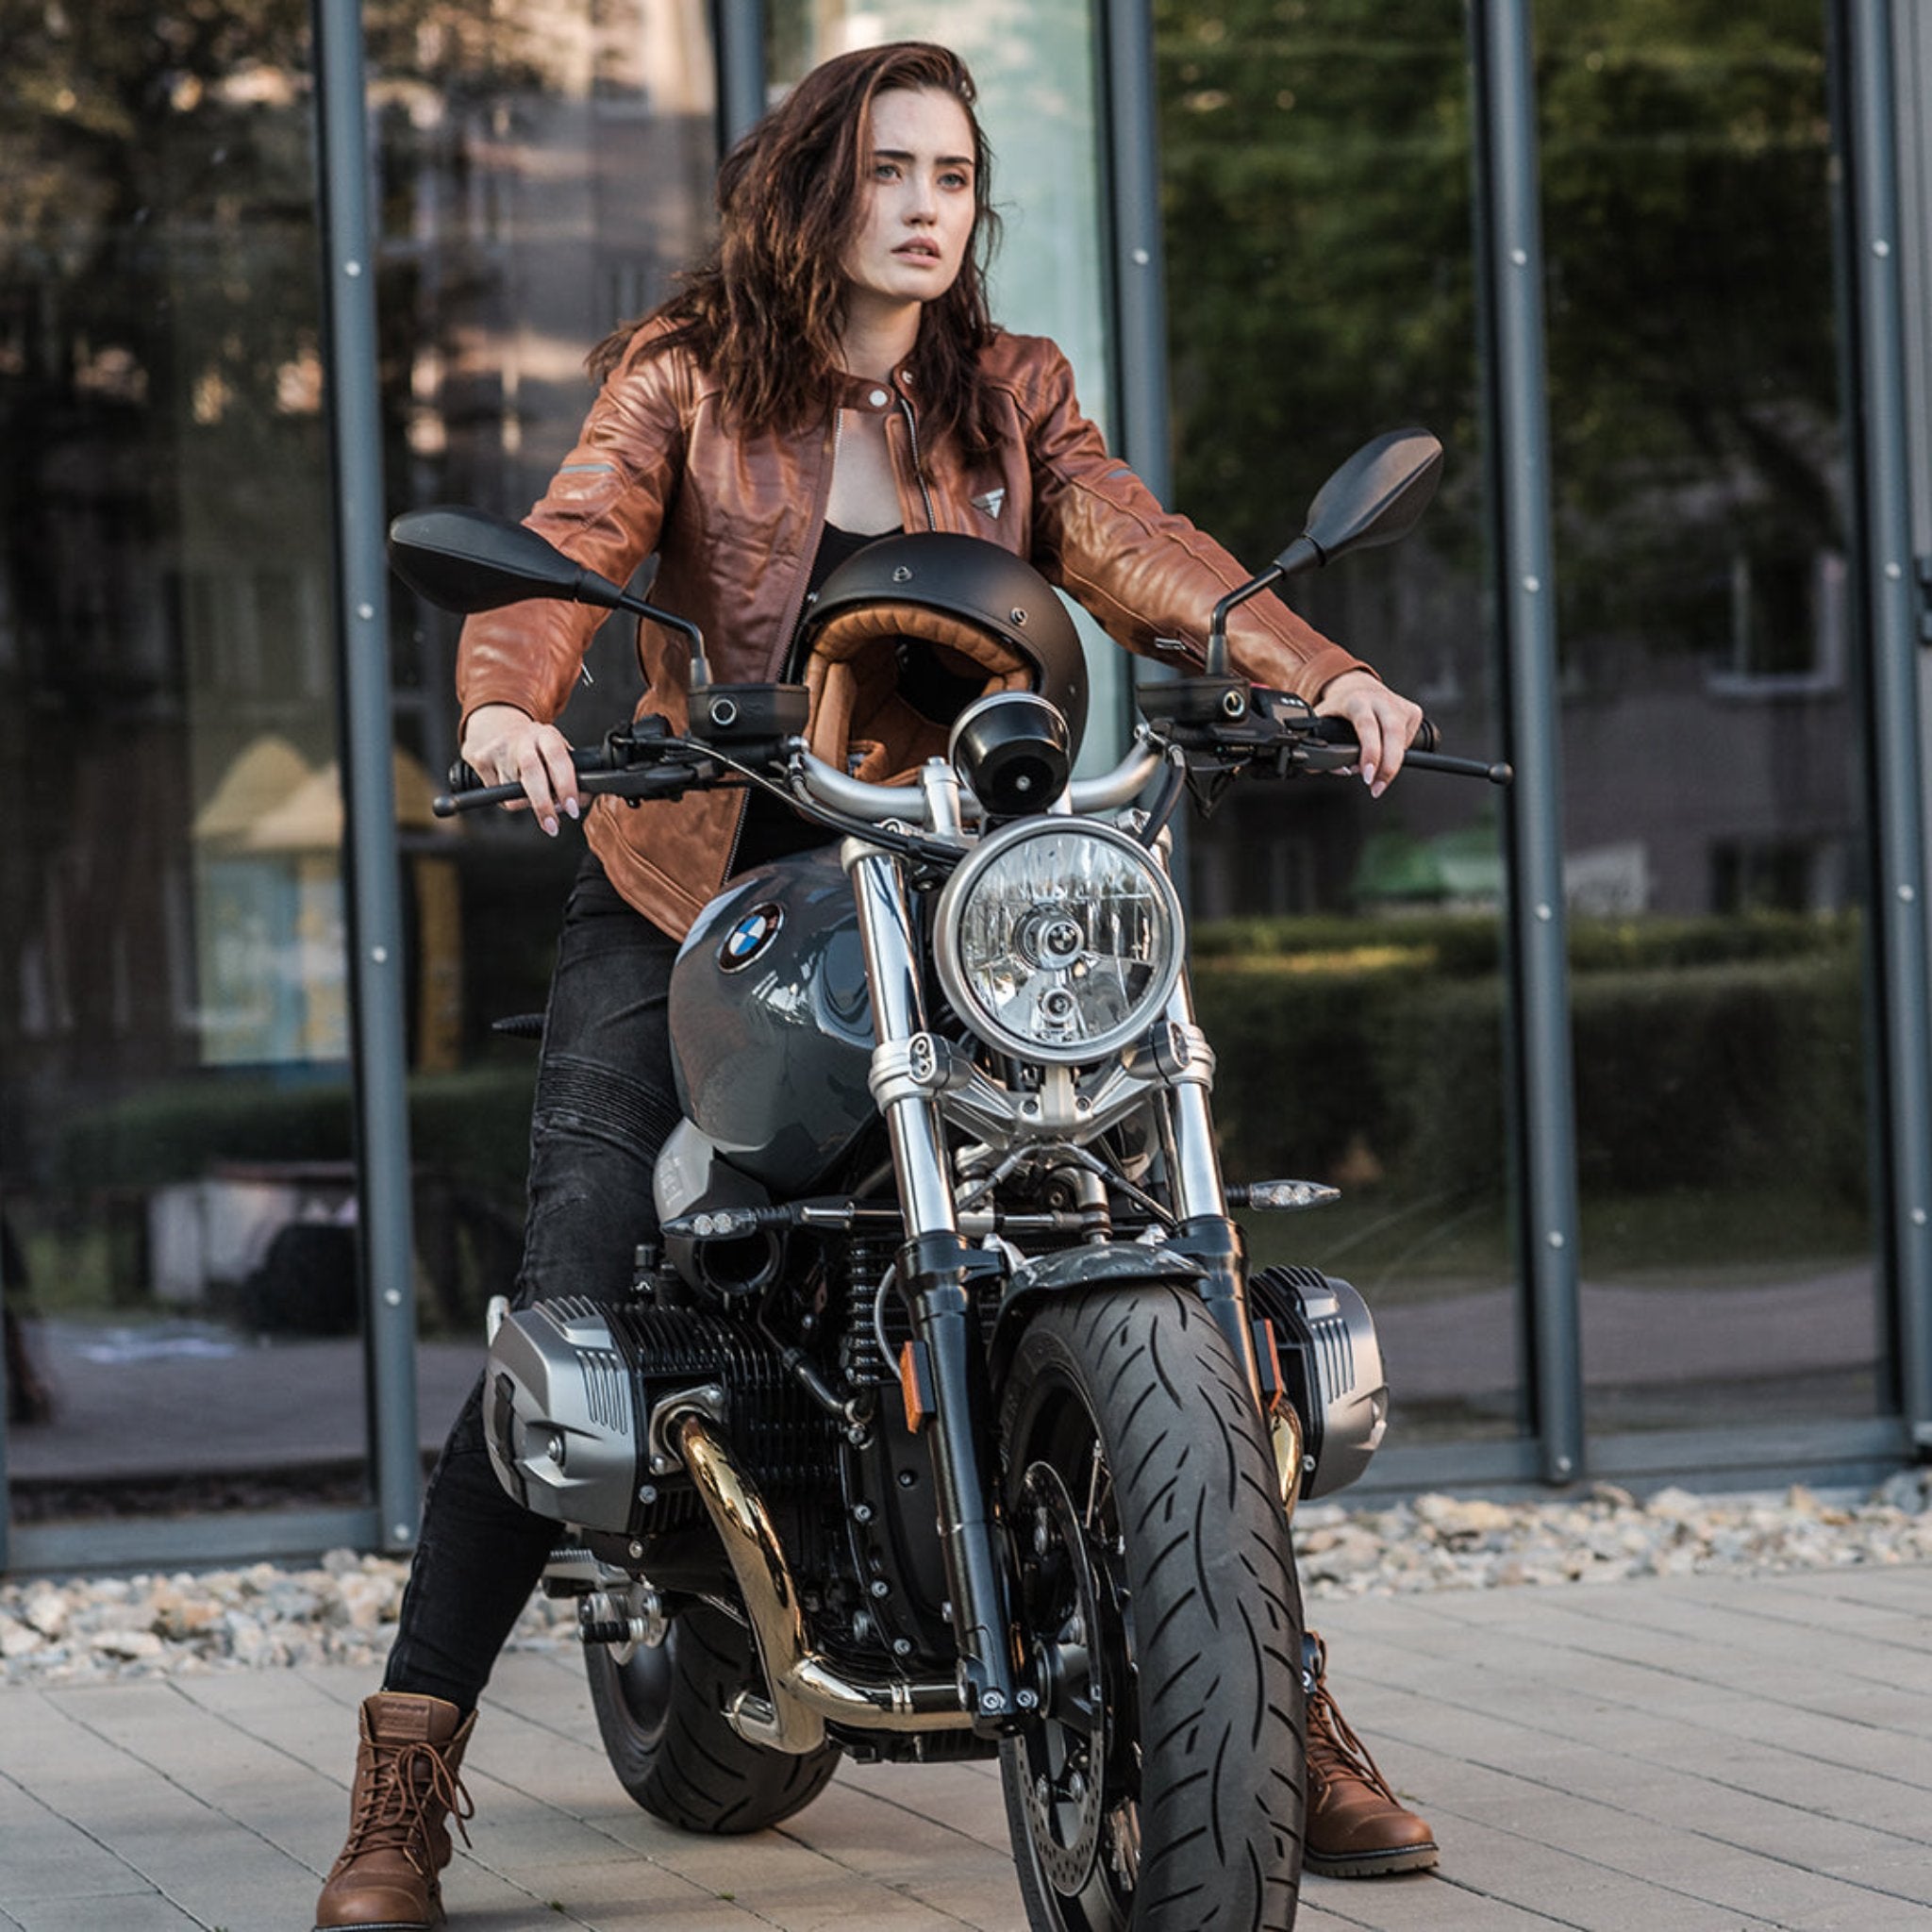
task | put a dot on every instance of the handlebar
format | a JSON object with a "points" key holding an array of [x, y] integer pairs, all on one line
{"points": [[1274, 734]]}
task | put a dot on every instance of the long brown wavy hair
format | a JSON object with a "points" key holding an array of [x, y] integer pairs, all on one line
{"points": [[763, 312]]}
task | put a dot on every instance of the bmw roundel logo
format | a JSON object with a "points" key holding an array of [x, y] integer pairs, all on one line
{"points": [[752, 934]]}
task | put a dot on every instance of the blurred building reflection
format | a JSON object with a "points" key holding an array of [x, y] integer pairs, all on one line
{"points": [[176, 1157]]}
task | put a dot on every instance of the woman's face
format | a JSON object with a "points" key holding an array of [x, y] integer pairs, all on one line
{"points": [[917, 210]]}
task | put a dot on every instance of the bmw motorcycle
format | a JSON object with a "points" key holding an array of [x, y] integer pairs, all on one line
{"points": [[947, 1419]]}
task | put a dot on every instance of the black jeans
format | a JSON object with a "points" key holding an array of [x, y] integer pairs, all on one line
{"points": [[604, 1102]]}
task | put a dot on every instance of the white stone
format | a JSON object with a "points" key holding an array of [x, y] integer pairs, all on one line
{"points": [[136, 1646]]}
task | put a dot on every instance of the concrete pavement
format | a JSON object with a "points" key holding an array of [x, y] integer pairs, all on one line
{"points": [[1697, 1754]]}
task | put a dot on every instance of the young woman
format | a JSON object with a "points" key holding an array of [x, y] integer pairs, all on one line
{"points": [[829, 375]]}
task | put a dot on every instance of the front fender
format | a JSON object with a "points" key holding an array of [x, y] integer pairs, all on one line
{"points": [[1072, 1270]]}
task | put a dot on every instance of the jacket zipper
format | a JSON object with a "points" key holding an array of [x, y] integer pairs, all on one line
{"points": [[932, 522]]}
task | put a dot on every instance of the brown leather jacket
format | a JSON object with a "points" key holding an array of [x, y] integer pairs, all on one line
{"points": [[736, 522]]}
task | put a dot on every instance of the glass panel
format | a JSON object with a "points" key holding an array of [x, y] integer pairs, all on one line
{"points": [[176, 1146], [1039, 104], [544, 170], [1714, 816], [1319, 284]]}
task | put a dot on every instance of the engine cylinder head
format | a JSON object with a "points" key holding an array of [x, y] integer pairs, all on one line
{"points": [[1331, 1370]]}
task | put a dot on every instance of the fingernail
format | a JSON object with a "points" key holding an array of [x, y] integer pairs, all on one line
{"points": [[1369, 776], [570, 805], [1376, 790], [550, 826]]}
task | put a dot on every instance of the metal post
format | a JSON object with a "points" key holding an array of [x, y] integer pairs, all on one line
{"points": [[1137, 265], [1140, 302], [6, 1495], [379, 1049], [738, 34], [1512, 268], [1888, 595]]}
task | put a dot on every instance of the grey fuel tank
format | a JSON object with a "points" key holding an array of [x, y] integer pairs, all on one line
{"points": [[770, 1024]]}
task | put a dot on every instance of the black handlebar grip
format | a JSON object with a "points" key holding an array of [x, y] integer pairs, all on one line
{"points": [[1340, 731]]}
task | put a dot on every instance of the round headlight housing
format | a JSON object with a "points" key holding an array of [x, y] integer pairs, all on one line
{"points": [[1060, 939]]}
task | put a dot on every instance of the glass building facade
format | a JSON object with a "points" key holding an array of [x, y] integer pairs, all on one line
{"points": [[1623, 1072]]}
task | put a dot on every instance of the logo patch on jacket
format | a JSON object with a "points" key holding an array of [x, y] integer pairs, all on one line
{"points": [[993, 501]]}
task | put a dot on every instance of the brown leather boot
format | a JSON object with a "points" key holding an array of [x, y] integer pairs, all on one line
{"points": [[389, 1876], [1355, 1829]]}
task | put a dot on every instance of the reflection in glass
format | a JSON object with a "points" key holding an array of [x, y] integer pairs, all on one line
{"points": [[1033, 62], [175, 1151], [1712, 814], [544, 170], [1317, 170]]}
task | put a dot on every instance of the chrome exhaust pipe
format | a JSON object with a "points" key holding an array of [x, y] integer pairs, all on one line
{"points": [[806, 1690]]}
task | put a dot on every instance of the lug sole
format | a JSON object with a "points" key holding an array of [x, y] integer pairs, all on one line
{"points": [[1371, 1864]]}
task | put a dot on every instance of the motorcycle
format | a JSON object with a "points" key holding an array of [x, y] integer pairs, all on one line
{"points": [[947, 1419]]}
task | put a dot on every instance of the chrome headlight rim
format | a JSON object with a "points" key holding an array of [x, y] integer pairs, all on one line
{"points": [[954, 980]]}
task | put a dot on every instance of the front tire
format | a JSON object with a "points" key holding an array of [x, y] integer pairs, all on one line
{"points": [[1161, 1790], [661, 1713]]}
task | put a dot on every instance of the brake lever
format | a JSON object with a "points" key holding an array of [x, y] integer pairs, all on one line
{"points": [[1337, 748], [640, 760]]}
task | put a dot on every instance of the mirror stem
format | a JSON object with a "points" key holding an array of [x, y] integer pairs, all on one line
{"points": [[700, 665], [1215, 663]]}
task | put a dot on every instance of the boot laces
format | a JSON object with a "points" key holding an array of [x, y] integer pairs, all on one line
{"points": [[410, 1787], [1334, 1749]]}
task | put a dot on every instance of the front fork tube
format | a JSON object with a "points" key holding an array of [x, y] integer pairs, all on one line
{"points": [[1205, 1233], [936, 1275]]}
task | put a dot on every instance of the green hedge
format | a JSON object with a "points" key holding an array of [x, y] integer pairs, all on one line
{"points": [[474, 1125], [1707, 1054]]}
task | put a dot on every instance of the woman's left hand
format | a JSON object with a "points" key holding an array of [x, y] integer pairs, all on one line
{"points": [[1384, 721]]}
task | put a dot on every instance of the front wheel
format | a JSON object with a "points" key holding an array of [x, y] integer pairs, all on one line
{"points": [[1162, 1788], [661, 1713]]}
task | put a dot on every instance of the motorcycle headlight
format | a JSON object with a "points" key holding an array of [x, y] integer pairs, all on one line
{"points": [[1060, 941]]}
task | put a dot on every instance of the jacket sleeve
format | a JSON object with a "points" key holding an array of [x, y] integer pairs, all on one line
{"points": [[604, 507], [1143, 571]]}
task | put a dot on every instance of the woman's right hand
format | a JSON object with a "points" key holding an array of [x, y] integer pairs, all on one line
{"points": [[506, 747]]}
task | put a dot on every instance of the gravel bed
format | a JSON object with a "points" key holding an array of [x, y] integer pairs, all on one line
{"points": [[344, 1609]]}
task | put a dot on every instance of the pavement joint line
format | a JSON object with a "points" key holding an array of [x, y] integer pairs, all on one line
{"points": [[1449, 1878], [1475, 1708], [898, 1887], [925, 1817], [1593, 1606], [1583, 1858], [195, 1797], [154, 1888], [1682, 1828], [1577, 1648]]}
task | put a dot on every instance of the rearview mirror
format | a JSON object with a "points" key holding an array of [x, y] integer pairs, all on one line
{"points": [[1375, 497], [465, 560]]}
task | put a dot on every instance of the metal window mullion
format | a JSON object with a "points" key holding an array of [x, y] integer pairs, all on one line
{"points": [[1130, 160], [1889, 597], [738, 40], [6, 1492], [378, 1050], [1133, 181], [1512, 268]]}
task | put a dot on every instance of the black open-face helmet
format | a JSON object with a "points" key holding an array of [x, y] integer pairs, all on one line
{"points": [[910, 631]]}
